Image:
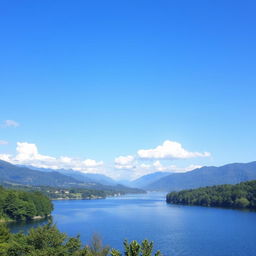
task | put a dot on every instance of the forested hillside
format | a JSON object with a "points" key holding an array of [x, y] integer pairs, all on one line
{"points": [[80, 176], [12, 174], [240, 196], [21, 205]]}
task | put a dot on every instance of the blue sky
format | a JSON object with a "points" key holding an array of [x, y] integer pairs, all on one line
{"points": [[102, 79]]}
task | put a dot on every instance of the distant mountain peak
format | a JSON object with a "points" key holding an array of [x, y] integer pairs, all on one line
{"points": [[206, 176], [22, 175]]}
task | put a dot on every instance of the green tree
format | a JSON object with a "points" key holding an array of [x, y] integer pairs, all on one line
{"points": [[136, 249], [4, 239], [241, 202], [49, 241]]}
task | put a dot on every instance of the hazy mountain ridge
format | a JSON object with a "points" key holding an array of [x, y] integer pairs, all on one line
{"points": [[162, 181], [13, 174], [147, 179], [10, 173], [206, 176], [80, 176]]}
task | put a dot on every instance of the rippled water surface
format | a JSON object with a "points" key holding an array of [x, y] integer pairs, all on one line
{"points": [[175, 230]]}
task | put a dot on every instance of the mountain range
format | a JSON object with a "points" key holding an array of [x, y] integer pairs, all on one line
{"points": [[20, 175], [13, 174], [205, 176], [146, 180], [84, 177], [160, 181]]}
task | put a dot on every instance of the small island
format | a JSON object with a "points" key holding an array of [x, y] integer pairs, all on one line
{"points": [[239, 196]]}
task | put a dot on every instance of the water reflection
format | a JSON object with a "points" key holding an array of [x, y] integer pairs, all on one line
{"points": [[24, 226]]}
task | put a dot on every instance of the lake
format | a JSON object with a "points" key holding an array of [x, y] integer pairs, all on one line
{"points": [[176, 230]]}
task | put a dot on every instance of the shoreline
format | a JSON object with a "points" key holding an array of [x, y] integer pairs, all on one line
{"points": [[6, 220], [33, 218], [63, 199], [88, 198]]}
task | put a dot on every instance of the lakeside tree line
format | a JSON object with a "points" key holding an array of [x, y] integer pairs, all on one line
{"points": [[241, 196], [76, 192], [22, 205], [49, 241]]}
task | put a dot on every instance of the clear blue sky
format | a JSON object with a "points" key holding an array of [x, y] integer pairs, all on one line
{"points": [[100, 79]]}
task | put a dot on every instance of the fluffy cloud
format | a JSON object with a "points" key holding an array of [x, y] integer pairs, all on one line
{"points": [[5, 157], [158, 166], [148, 160], [27, 154], [10, 123], [124, 167], [145, 166], [92, 163], [132, 168], [175, 169], [124, 162], [3, 142], [169, 150]]}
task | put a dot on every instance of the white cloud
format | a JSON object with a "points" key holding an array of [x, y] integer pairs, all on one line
{"points": [[169, 150], [124, 167], [27, 154], [189, 168], [148, 160], [158, 166], [92, 163], [145, 166], [65, 159], [124, 162], [5, 157], [10, 123], [132, 168], [3, 142]]}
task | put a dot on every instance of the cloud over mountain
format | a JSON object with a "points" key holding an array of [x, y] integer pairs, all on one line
{"points": [[169, 150], [124, 162], [27, 154], [148, 160]]}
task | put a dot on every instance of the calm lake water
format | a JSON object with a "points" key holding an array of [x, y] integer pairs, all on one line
{"points": [[175, 230]]}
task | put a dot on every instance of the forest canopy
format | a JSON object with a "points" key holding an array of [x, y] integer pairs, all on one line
{"points": [[22, 205], [241, 196]]}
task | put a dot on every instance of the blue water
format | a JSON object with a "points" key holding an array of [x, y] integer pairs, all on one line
{"points": [[175, 230]]}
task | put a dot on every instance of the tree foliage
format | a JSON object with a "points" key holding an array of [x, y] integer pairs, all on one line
{"points": [[136, 249], [47, 240], [241, 196], [21, 205]]}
